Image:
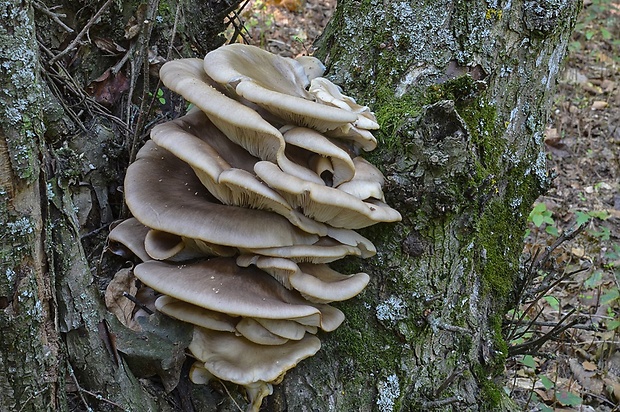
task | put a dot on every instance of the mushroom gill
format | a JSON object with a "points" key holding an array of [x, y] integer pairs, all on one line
{"points": [[239, 206]]}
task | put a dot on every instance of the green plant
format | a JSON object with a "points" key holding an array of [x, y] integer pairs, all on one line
{"points": [[540, 216], [159, 95]]}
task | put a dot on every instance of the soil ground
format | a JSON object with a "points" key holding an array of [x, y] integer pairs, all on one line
{"points": [[575, 226]]}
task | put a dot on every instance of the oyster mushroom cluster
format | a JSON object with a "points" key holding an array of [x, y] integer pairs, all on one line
{"points": [[240, 205]]}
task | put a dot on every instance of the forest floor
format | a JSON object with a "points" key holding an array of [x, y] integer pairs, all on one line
{"points": [[575, 225]]}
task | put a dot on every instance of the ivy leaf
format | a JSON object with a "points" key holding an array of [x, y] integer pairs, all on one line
{"points": [[537, 219], [610, 296]]}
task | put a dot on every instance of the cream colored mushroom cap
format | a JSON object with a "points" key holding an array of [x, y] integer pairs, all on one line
{"points": [[235, 359], [164, 193], [220, 285], [316, 282], [195, 315], [325, 204], [275, 83], [253, 331]]}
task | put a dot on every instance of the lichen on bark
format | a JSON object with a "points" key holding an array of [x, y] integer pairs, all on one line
{"points": [[461, 90]]}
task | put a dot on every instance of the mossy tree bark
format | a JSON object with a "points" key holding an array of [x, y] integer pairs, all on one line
{"points": [[66, 133], [461, 90]]}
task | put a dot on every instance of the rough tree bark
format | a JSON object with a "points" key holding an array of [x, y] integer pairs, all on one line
{"points": [[461, 89]]}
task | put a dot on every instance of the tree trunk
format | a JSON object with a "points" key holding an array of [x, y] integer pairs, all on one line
{"points": [[461, 89]]}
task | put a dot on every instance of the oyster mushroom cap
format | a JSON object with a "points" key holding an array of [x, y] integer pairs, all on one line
{"points": [[312, 66], [164, 193], [219, 284], [277, 84], [195, 315], [236, 359], [131, 233], [325, 204], [316, 282], [255, 332], [341, 166], [224, 168], [246, 128]]}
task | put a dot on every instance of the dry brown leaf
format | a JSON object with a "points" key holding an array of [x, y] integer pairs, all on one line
{"points": [[123, 282], [599, 105], [587, 379], [589, 366]]}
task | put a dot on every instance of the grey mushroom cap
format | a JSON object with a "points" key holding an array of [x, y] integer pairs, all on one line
{"points": [[225, 168], [316, 282], [253, 331], [312, 66], [220, 285], [325, 204], [164, 193], [236, 359], [274, 83], [131, 233], [195, 315], [246, 128]]}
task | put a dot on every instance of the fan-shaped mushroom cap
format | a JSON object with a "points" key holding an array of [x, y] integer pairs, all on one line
{"points": [[286, 328], [328, 93], [312, 66], [162, 245], [163, 193], [246, 128], [366, 183], [275, 83], [257, 333], [198, 374], [219, 284], [235, 359], [323, 203], [316, 282], [342, 168], [324, 251], [224, 168], [131, 233], [195, 315]]}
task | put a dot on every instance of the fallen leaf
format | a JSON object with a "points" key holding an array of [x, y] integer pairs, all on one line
{"points": [[123, 282], [589, 366], [599, 105], [108, 88]]}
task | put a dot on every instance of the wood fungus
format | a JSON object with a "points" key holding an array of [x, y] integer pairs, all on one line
{"points": [[240, 205]]}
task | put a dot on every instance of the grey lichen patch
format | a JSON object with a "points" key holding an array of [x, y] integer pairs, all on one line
{"points": [[388, 393], [391, 310], [20, 91]]}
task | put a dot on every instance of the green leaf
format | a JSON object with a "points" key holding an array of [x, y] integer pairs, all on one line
{"points": [[593, 280], [568, 398], [544, 408], [528, 361], [547, 383], [613, 324], [582, 218], [537, 220], [553, 302], [552, 230], [610, 296], [605, 33]]}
